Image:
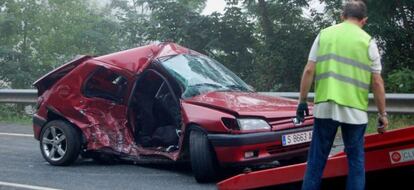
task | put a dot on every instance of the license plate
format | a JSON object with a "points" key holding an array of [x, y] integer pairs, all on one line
{"points": [[296, 138]]}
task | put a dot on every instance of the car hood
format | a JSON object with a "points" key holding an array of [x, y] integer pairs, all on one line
{"points": [[247, 104]]}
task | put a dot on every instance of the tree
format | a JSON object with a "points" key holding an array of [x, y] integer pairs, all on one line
{"points": [[283, 37], [266, 42], [39, 35], [391, 23], [18, 28]]}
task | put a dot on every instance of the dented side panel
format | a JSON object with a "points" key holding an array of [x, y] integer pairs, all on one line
{"points": [[103, 122]]}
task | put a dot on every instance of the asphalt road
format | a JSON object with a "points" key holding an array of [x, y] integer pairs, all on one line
{"points": [[23, 167]]}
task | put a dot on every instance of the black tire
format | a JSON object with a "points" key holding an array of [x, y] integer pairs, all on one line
{"points": [[71, 144], [203, 159]]}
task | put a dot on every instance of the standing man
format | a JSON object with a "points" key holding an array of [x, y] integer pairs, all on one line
{"points": [[345, 62]]}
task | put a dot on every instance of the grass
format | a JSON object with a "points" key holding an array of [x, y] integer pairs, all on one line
{"points": [[24, 120], [395, 121], [12, 113]]}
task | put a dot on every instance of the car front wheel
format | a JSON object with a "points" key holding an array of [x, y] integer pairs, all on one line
{"points": [[203, 159], [60, 143]]}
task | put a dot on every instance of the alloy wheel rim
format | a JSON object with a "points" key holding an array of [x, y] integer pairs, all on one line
{"points": [[54, 143]]}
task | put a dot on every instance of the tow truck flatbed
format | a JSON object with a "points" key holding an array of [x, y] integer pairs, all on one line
{"points": [[391, 150]]}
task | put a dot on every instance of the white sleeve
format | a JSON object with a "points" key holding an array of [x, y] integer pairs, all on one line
{"points": [[313, 54], [375, 57]]}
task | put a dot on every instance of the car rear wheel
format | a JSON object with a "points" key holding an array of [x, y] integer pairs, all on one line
{"points": [[60, 143], [203, 159]]}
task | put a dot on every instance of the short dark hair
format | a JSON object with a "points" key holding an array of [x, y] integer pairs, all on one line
{"points": [[355, 9]]}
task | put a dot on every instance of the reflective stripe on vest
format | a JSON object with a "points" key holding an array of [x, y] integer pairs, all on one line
{"points": [[343, 68]]}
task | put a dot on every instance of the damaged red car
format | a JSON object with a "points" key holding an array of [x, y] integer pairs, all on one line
{"points": [[163, 103]]}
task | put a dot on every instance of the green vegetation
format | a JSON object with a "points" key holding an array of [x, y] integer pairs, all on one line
{"points": [[266, 42], [395, 121], [8, 114]]}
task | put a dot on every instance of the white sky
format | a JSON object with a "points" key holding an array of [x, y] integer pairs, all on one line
{"points": [[214, 6], [219, 5]]}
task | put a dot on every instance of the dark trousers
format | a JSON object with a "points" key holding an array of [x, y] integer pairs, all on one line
{"points": [[324, 132]]}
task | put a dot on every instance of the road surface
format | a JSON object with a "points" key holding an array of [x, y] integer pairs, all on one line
{"points": [[23, 167]]}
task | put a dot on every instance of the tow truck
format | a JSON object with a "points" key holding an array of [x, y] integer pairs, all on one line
{"points": [[384, 153]]}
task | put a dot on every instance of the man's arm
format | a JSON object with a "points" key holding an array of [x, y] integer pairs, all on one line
{"points": [[307, 80], [379, 92], [379, 97], [378, 84]]}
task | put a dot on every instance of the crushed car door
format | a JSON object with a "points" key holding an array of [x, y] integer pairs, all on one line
{"points": [[104, 93]]}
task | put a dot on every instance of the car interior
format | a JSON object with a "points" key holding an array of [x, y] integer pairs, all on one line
{"points": [[106, 84], [155, 113]]}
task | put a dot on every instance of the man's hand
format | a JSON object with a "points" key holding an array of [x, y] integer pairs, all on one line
{"points": [[305, 85], [382, 124], [301, 111]]}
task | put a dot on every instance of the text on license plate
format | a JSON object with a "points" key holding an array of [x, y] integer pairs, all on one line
{"points": [[296, 138]]}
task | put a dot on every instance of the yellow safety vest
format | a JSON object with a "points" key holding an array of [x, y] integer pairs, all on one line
{"points": [[343, 68]]}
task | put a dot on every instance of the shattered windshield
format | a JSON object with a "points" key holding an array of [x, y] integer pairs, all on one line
{"points": [[200, 74]]}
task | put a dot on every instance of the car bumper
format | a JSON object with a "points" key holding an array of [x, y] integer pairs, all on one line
{"points": [[38, 123], [264, 147]]}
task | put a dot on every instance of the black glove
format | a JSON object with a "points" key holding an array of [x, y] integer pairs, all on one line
{"points": [[300, 112]]}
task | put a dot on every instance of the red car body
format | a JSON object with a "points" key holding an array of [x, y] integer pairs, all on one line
{"points": [[106, 125]]}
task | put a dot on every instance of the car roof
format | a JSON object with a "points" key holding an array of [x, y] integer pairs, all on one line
{"points": [[137, 59]]}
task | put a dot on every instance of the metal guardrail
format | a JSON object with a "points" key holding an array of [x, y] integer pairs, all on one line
{"points": [[18, 96], [396, 103]]}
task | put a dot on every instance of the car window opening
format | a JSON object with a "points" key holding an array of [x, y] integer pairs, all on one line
{"points": [[106, 84], [156, 115]]}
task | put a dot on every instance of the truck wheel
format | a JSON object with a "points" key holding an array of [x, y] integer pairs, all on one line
{"points": [[203, 159], [60, 143]]}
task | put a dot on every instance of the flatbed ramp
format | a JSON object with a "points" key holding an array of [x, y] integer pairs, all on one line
{"points": [[391, 150]]}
